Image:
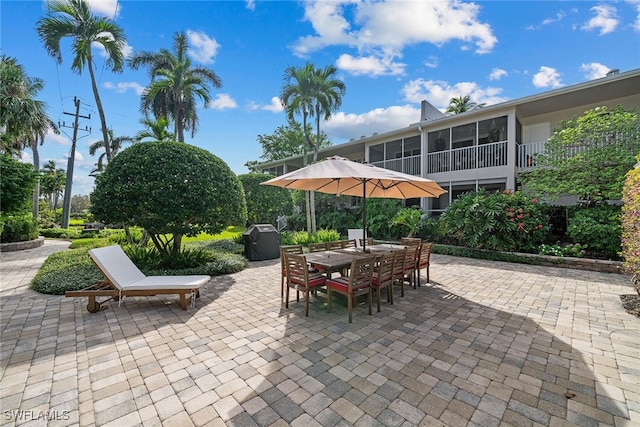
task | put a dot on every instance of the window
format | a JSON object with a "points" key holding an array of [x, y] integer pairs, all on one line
{"points": [[412, 146], [463, 136], [376, 153], [492, 130], [438, 141], [394, 150]]}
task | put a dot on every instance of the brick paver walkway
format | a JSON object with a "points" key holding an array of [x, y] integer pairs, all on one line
{"points": [[486, 344]]}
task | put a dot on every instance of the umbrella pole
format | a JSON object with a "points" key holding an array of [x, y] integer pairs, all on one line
{"points": [[364, 216]]}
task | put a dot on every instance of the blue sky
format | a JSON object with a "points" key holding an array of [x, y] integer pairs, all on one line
{"points": [[390, 55]]}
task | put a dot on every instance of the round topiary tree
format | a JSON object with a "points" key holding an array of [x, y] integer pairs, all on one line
{"points": [[170, 189], [265, 203]]}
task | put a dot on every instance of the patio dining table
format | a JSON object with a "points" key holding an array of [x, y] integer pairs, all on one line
{"points": [[339, 259]]}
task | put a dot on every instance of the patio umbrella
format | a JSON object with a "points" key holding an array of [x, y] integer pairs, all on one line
{"points": [[337, 175]]}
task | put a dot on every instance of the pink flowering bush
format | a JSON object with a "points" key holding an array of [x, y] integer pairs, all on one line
{"points": [[631, 223]]}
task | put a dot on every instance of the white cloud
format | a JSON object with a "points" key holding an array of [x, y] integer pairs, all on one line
{"points": [[58, 139], [594, 70], [547, 77], [109, 8], [606, 19], [559, 16], [439, 93], [636, 23], [127, 50], [369, 65], [122, 87], [497, 74], [222, 102], [380, 30], [250, 4], [275, 106], [346, 126], [431, 62], [202, 49]]}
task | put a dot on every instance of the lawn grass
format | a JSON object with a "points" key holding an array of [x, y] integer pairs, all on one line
{"points": [[229, 234]]}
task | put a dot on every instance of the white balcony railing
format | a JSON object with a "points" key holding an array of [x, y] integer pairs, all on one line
{"points": [[526, 154], [478, 156], [409, 165]]}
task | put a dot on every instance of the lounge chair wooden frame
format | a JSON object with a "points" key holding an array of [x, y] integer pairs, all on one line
{"points": [[128, 281]]}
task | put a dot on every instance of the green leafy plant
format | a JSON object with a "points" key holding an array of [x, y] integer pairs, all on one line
{"points": [[265, 203], [573, 250], [379, 212], [408, 220], [16, 186], [171, 190], [325, 235], [630, 222], [18, 228], [152, 259], [497, 221], [598, 228]]}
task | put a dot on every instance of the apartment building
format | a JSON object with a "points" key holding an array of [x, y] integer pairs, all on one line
{"points": [[487, 147]]}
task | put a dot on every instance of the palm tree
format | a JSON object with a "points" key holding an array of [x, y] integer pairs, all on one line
{"points": [[312, 92], [23, 118], [175, 85], [298, 97], [154, 129], [53, 181], [461, 104], [115, 145], [73, 18]]}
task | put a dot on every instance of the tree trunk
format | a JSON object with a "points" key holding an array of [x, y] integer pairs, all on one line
{"points": [[96, 95], [36, 191]]}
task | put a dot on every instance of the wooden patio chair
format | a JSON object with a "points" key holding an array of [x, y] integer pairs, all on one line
{"points": [[288, 249], [383, 277], [317, 247], [334, 245], [351, 243], [357, 283], [300, 279], [124, 279], [423, 260], [369, 241], [398, 269]]}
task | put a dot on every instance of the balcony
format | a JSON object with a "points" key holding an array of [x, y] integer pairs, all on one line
{"points": [[409, 165], [478, 156], [526, 153]]}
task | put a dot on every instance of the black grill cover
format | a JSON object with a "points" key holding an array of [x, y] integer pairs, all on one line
{"points": [[261, 241]]}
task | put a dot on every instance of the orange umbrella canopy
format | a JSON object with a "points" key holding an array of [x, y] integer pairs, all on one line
{"points": [[337, 175]]}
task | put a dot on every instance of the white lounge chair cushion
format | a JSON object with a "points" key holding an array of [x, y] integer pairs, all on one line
{"points": [[168, 282], [123, 273]]}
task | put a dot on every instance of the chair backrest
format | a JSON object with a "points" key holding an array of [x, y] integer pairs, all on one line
{"points": [[385, 270], [317, 247], [361, 272], [296, 268], [410, 257], [369, 241], [116, 265], [410, 241], [398, 264], [356, 234], [425, 254], [289, 249], [334, 245], [351, 243]]}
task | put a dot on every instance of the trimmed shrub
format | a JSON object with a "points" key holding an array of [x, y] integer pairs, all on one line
{"points": [[264, 202], [598, 228], [16, 186], [18, 228]]}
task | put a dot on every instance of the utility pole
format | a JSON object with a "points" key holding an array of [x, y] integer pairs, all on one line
{"points": [[66, 204]]}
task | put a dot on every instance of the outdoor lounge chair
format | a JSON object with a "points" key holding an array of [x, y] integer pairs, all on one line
{"points": [[123, 279]]}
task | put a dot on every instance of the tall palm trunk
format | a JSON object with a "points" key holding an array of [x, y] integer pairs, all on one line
{"points": [[96, 95], [36, 191], [309, 195]]}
